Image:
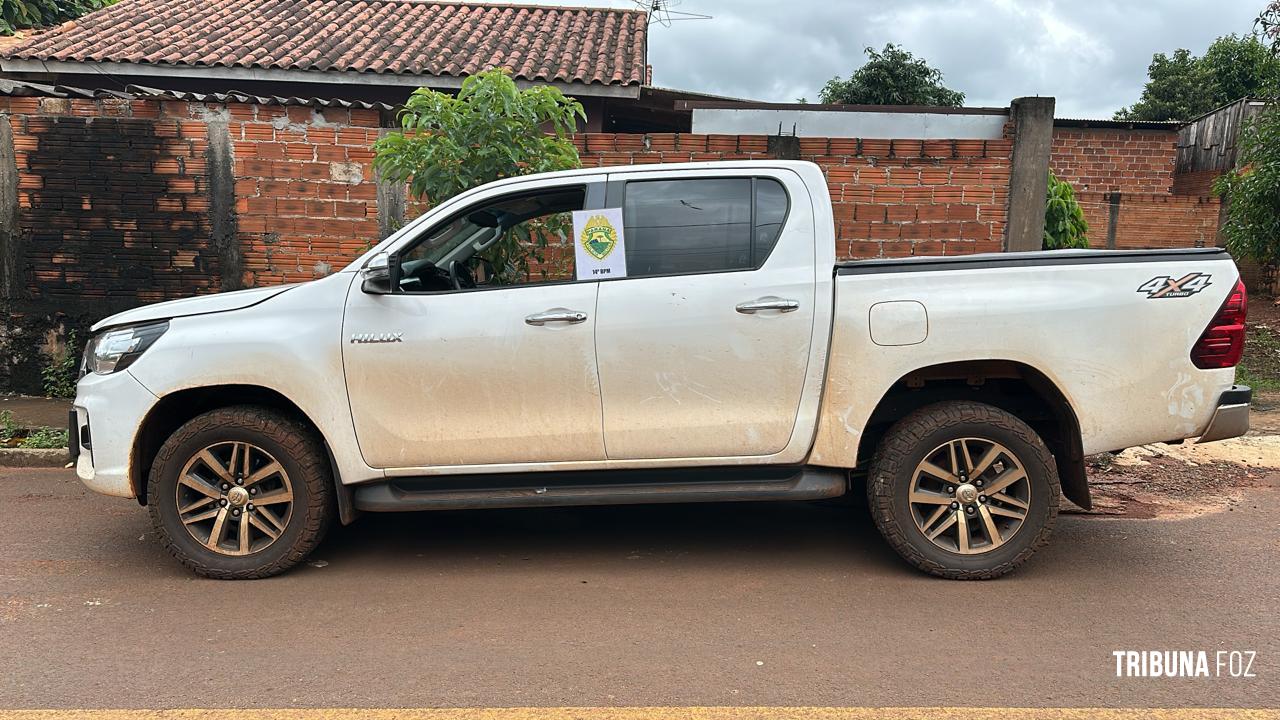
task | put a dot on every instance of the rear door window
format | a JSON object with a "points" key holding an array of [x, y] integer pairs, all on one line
{"points": [[676, 227]]}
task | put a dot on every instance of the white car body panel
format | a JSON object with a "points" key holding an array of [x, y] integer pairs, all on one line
{"points": [[1122, 360], [289, 345], [471, 383], [105, 468], [665, 373], [199, 305]]}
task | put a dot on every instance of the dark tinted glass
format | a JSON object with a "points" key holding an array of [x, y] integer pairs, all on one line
{"points": [[683, 226], [771, 210], [689, 226]]}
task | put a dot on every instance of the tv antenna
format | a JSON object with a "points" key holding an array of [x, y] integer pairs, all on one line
{"points": [[664, 13]]}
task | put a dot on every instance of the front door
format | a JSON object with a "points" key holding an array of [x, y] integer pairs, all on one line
{"points": [[500, 370], [704, 348]]}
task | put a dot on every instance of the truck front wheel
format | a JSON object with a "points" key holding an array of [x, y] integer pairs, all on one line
{"points": [[963, 490], [240, 493]]}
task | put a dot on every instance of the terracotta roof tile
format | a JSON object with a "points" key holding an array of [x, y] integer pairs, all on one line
{"points": [[412, 37]]}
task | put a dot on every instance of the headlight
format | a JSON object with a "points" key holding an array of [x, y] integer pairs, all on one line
{"points": [[117, 349]]}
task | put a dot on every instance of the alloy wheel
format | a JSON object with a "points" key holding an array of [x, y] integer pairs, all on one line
{"points": [[970, 496], [234, 498]]}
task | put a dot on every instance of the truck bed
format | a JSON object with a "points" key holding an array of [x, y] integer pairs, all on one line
{"points": [[1087, 321]]}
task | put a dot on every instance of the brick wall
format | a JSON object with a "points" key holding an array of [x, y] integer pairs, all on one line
{"points": [[306, 201], [1114, 159], [1151, 220], [112, 201], [1157, 209], [891, 198], [1198, 184]]}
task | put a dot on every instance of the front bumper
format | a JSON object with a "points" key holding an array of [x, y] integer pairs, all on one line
{"points": [[109, 409], [1231, 418]]}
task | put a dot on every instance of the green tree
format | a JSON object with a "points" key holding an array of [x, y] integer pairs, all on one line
{"points": [[1252, 192], [1267, 26], [1177, 89], [1064, 223], [20, 14], [489, 131], [1182, 86], [892, 76], [1239, 67]]}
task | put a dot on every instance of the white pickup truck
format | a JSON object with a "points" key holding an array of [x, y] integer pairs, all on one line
{"points": [[732, 359]]}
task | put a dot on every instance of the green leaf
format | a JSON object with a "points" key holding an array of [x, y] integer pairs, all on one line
{"points": [[490, 130]]}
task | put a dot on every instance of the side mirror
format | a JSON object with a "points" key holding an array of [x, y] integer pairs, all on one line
{"points": [[377, 274]]}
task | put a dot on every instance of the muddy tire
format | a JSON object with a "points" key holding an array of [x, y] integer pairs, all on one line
{"points": [[241, 493], [963, 490]]}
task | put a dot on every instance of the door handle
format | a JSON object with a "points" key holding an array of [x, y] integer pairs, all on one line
{"points": [[556, 315], [768, 303]]}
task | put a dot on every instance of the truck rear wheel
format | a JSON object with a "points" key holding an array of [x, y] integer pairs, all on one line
{"points": [[963, 490], [240, 493]]}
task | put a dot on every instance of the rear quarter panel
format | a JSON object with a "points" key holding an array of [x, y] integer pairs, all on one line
{"points": [[1121, 358]]}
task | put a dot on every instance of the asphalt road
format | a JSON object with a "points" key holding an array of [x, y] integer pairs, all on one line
{"points": [[722, 605]]}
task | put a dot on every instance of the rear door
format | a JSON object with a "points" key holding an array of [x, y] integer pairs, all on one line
{"points": [[704, 348]]}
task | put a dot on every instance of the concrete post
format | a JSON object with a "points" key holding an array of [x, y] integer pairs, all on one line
{"points": [[391, 206], [10, 234], [784, 147], [223, 221], [1029, 179]]}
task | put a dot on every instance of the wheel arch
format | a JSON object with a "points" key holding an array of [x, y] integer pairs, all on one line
{"points": [[1009, 385], [178, 407]]}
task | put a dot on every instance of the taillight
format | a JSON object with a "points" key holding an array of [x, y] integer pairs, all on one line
{"points": [[1222, 343]]}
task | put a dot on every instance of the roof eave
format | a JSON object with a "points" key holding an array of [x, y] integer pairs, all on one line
{"points": [[10, 64]]}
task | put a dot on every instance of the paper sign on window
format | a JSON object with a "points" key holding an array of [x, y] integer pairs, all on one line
{"points": [[599, 249]]}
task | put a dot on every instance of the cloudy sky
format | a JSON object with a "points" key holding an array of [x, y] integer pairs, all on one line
{"points": [[1092, 55]]}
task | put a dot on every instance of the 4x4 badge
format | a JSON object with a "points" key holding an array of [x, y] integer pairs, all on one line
{"points": [[1167, 287], [390, 337]]}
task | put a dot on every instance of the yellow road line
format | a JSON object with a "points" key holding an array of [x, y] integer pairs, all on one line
{"points": [[659, 713]]}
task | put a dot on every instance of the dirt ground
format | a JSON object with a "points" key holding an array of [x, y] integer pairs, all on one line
{"points": [[28, 411], [1186, 479]]}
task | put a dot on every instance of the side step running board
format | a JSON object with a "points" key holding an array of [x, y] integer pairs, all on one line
{"points": [[418, 493]]}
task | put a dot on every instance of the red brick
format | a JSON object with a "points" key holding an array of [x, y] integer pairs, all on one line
{"points": [[692, 143], [268, 150], [863, 249], [900, 213], [258, 132], [300, 151], [260, 206], [931, 212], [888, 195], [883, 231], [875, 148], [907, 148]]}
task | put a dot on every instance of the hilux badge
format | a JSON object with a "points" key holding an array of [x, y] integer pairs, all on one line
{"points": [[388, 337]]}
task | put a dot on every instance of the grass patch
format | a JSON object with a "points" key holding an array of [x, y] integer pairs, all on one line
{"points": [[14, 435], [1260, 366], [45, 438]]}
